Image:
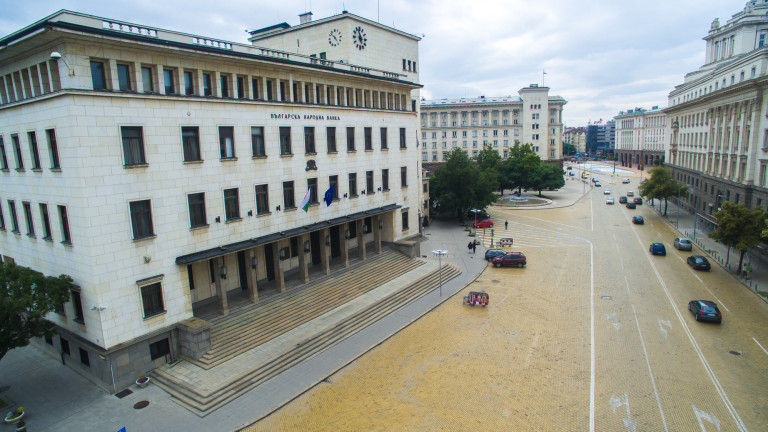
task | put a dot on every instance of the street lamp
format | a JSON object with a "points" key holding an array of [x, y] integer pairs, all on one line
{"points": [[439, 253]]}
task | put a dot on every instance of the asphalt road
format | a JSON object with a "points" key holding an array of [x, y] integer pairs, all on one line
{"points": [[594, 334]]}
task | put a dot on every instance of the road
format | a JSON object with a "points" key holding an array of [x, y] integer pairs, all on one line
{"points": [[594, 334]]}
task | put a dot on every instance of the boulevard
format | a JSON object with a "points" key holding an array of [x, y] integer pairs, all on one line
{"points": [[593, 334]]}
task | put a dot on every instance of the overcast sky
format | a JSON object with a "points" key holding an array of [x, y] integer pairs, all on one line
{"points": [[601, 56]]}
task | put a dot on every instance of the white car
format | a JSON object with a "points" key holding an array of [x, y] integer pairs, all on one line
{"points": [[625, 181], [630, 193], [609, 201], [607, 192]]}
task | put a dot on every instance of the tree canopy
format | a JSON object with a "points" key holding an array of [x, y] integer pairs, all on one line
{"points": [[518, 171], [739, 227], [459, 185], [27, 296], [547, 176], [661, 186]]}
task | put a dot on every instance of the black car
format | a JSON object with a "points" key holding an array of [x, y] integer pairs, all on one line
{"points": [[490, 254], [477, 214], [705, 310], [638, 201], [631, 205], [638, 220], [698, 262], [623, 200]]}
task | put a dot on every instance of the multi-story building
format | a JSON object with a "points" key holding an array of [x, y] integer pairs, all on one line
{"points": [[600, 138], [717, 119], [165, 171], [499, 122], [640, 137], [577, 137]]}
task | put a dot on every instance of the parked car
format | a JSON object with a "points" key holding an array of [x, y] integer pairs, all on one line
{"points": [[598, 184], [698, 262], [607, 192], [638, 220], [510, 259], [631, 205], [609, 200], [630, 193], [570, 173], [638, 201], [490, 254], [623, 200], [683, 243], [485, 223], [658, 249], [705, 310], [481, 214], [625, 181]]}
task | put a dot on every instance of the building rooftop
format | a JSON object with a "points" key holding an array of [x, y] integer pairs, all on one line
{"points": [[480, 100]]}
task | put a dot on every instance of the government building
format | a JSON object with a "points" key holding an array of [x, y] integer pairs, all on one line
{"points": [[717, 118], [166, 172], [471, 124], [641, 137]]}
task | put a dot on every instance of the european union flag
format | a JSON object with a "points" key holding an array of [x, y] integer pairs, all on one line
{"points": [[329, 195]]}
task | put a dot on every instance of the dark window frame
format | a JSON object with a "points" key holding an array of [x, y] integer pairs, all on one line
{"points": [[84, 357], [309, 140], [258, 146], [369, 183], [385, 179], [383, 136], [98, 75], [64, 222], [262, 199], [27, 206], [53, 148], [368, 138], [402, 138], [190, 144], [169, 81], [148, 79], [350, 139], [45, 218], [123, 77], [77, 306], [197, 214], [312, 188], [289, 198], [334, 180], [330, 139], [232, 204], [132, 138], [404, 177], [189, 82], [14, 217], [285, 141], [3, 157], [352, 184], [141, 219], [224, 133], [152, 299], [17, 152], [159, 349], [34, 150]]}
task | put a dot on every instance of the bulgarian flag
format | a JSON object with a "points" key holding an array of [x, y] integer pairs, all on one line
{"points": [[305, 201]]}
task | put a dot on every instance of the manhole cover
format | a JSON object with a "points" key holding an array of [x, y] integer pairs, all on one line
{"points": [[606, 298], [141, 404], [734, 352], [495, 281]]}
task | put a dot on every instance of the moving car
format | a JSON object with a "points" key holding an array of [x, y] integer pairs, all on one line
{"points": [[598, 184], [516, 259], [658, 249], [607, 192], [638, 220], [625, 181], [638, 201], [683, 243], [631, 205], [485, 223], [478, 214], [490, 254], [609, 201], [623, 200], [698, 262], [705, 310], [630, 193], [570, 173]]}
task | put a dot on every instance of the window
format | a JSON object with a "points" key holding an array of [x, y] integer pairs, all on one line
{"points": [[146, 78], [28, 217], [189, 83], [64, 345], [262, 199], [288, 199], [309, 140], [404, 217], [403, 176], [141, 219], [231, 204], [133, 145], [367, 134], [402, 138], [14, 220], [43, 217], [369, 182], [240, 88], [53, 149], [84, 357], [77, 305], [330, 134], [224, 86], [3, 158], [17, 152], [33, 150], [159, 349], [152, 299], [333, 184], [385, 179], [64, 222], [350, 139], [257, 141], [2, 219], [312, 188], [227, 142], [97, 75], [190, 141], [353, 185], [285, 140], [124, 77], [255, 87], [197, 210], [170, 87], [207, 88]]}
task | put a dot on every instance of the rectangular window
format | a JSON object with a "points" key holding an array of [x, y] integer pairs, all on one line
{"points": [[231, 204], [330, 133], [369, 182], [385, 179], [350, 139], [33, 150], [285, 140], [2, 219], [53, 148], [189, 83], [227, 142], [309, 140], [384, 144], [84, 357], [333, 182], [133, 145], [262, 199], [46, 221], [14, 219], [224, 86], [190, 141], [352, 184], [146, 78], [255, 88], [368, 136], [288, 198], [141, 219], [159, 349], [64, 345], [257, 141], [152, 299], [28, 217], [270, 96], [404, 176], [17, 152], [64, 222], [190, 277], [404, 215], [97, 75], [197, 210], [124, 77], [402, 138], [170, 87], [240, 88], [3, 157], [312, 188], [207, 86], [77, 305]]}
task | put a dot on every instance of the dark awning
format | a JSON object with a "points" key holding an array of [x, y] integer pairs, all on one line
{"points": [[271, 238]]}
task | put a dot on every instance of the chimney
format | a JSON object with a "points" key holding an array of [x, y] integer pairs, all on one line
{"points": [[305, 17]]}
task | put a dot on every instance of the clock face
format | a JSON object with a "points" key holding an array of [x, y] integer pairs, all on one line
{"points": [[358, 35], [334, 37]]}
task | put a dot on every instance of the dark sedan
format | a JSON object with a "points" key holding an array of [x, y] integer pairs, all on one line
{"points": [[705, 310], [490, 254], [511, 259], [638, 220], [638, 201], [631, 205], [623, 200], [698, 262]]}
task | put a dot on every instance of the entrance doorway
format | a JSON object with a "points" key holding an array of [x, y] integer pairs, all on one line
{"points": [[241, 269], [314, 238], [269, 261], [335, 244]]}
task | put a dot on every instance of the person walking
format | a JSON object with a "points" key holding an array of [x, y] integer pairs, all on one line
{"points": [[474, 246], [506, 225], [749, 271], [469, 245]]}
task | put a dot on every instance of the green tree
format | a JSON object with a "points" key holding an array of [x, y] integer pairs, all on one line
{"points": [[661, 186], [569, 149], [488, 159], [519, 169], [739, 227], [27, 297], [459, 185], [547, 176]]}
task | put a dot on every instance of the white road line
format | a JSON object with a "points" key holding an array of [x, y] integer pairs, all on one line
{"points": [[626, 281], [591, 338], [502, 300], [531, 349], [758, 344], [650, 371]]}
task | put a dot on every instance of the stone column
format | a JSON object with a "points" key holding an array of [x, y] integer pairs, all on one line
{"points": [[223, 306], [344, 246], [303, 264], [280, 269], [252, 277], [377, 232], [325, 251], [360, 239]]}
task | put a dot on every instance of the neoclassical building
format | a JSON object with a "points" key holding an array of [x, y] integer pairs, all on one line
{"points": [[165, 171], [641, 137], [534, 118], [717, 124]]}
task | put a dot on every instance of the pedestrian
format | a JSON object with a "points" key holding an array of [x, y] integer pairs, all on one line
{"points": [[474, 246], [469, 245], [506, 224], [749, 271], [744, 270]]}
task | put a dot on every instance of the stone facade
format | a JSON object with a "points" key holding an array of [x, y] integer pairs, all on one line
{"points": [[641, 137]]}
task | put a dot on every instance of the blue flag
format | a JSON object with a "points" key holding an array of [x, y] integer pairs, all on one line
{"points": [[329, 195]]}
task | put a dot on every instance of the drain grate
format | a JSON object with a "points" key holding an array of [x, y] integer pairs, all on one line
{"points": [[141, 404], [606, 298], [123, 393], [734, 352]]}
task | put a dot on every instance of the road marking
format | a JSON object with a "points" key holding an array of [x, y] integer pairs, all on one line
{"points": [[758, 344], [626, 281], [709, 417], [591, 337], [502, 299], [616, 402], [662, 323], [650, 371], [615, 319], [531, 349]]}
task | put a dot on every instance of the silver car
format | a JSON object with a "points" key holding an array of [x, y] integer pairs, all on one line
{"points": [[683, 243]]}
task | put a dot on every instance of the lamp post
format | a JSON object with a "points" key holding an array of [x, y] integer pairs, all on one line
{"points": [[439, 253]]}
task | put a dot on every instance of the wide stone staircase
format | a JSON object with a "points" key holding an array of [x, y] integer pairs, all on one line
{"points": [[246, 349]]}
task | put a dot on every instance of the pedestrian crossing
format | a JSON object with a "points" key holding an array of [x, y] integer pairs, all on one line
{"points": [[526, 235]]}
